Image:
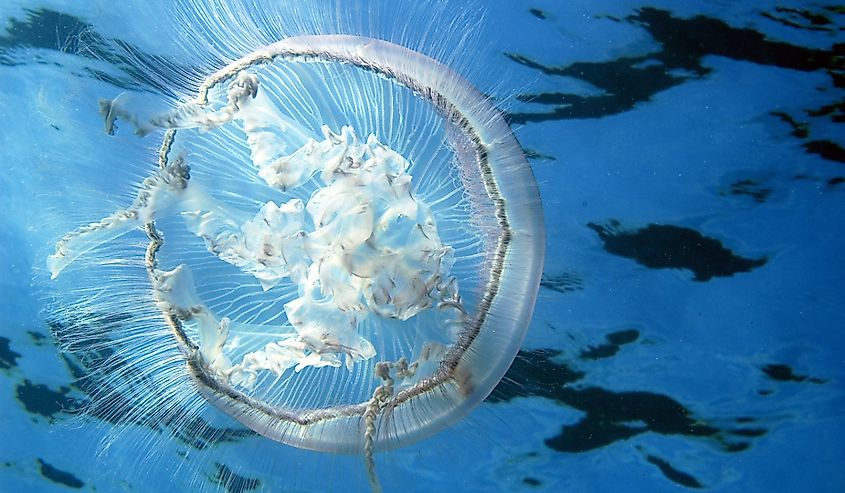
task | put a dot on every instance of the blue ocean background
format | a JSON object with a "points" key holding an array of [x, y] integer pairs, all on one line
{"points": [[690, 328]]}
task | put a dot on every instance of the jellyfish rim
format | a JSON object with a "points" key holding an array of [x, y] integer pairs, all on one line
{"points": [[459, 102]]}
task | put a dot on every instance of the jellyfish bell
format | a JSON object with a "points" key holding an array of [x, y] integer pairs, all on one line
{"points": [[344, 241]]}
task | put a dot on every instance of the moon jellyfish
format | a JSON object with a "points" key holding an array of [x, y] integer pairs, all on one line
{"points": [[343, 240]]}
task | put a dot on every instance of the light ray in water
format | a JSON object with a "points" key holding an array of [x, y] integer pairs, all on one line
{"points": [[344, 239]]}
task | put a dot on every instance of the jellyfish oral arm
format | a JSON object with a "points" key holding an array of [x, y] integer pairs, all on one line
{"points": [[189, 115], [156, 194]]}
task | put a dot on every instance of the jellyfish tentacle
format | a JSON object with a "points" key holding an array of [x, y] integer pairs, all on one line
{"points": [[188, 115]]}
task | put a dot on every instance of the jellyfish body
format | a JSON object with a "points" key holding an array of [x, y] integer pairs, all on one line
{"points": [[345, 242]]}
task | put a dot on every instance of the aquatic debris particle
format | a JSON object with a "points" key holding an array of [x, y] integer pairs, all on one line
{"points": [[826, 149], [615, 341], [42, 400], [37, 337], [661, 246], [566, 282], [750, 188], [56, 475], [8, 358], [675, 475], [800, 19], [800, 130], [532, 481], [621, 337], [538, 156], [784, 373], [538, 14]]}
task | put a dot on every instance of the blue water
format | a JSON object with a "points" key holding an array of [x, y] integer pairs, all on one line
{"points": [[689, 328]]}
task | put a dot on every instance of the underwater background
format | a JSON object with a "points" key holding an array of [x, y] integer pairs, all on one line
{"points": [[690, 330]]}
